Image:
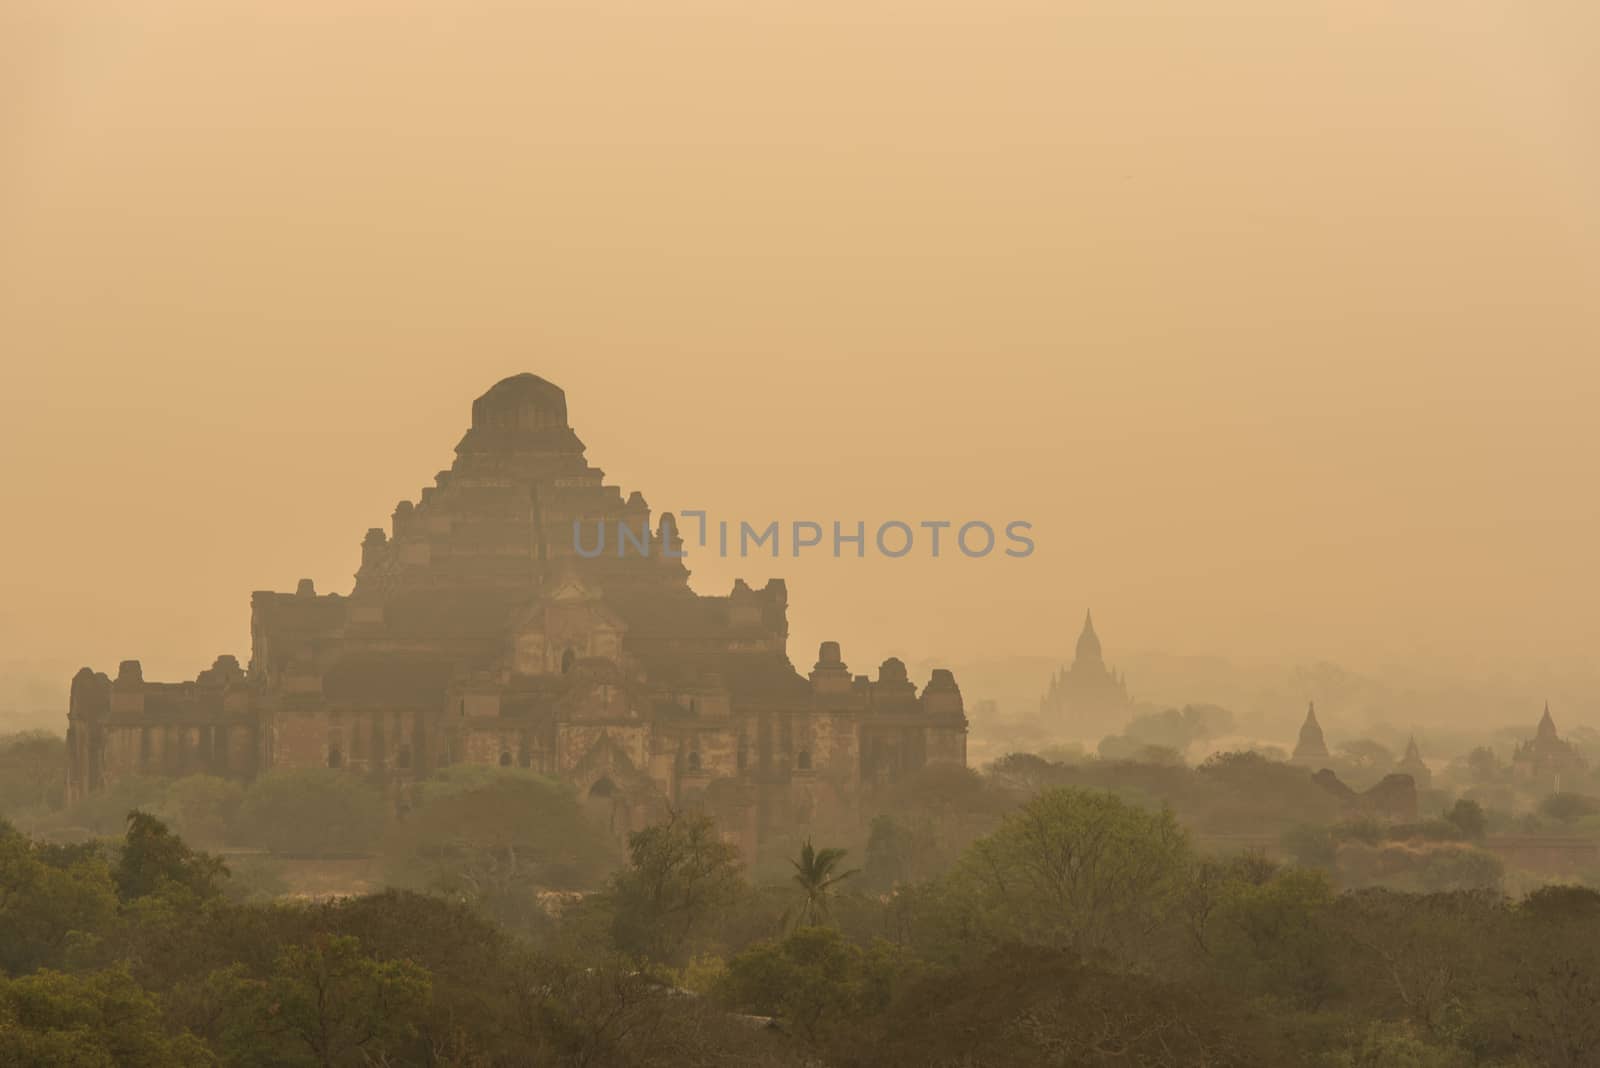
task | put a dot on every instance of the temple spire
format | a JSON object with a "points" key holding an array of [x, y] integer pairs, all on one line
{"points": [[1547, 726], [1089, 641], [1413, 765], [1310, 747]]}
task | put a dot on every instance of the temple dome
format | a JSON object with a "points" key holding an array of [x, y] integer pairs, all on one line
{"points": [[521, 402]]}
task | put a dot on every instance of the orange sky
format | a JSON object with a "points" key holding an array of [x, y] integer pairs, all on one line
{"points": [[1279, 321]]}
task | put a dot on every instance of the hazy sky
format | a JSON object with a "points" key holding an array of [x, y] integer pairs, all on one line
{"points": [[1279, 320]]}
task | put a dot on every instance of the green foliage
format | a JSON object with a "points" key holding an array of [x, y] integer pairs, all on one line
{"points": [[315, 812], [1469, 818], [1246, 790], [1552, 983], [1419, 867], [1028, 1006], [46, 898], [680, 874], [495, 842], [814, 981], [1076, 868], [153, 859], [105, 813], [1417, 957], [31, 780], [1568, 808], [817, 874], [94, 1020], [1268, 934], [1163, 737], [1075, 927], [1311, 847], [897, 852], [201, 808], [1394, 1045], [325, 1003]]}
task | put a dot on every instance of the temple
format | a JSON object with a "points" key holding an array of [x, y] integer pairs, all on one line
{"points": [[1087, 699], [1546, 758], [481, 629], [1413, 765], [1310, 748]]}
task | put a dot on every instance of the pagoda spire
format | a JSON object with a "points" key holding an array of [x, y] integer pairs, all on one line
{"points": [[1547, 726], [1413, 765], [1089, 641], [1311, 746]]}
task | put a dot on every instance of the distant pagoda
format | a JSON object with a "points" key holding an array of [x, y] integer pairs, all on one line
{"points": [[1547, 757], [1411, 764], [1310, 749], [1088, 699]]}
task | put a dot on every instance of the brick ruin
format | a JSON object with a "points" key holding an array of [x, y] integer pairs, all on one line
{"points": [[477, 633]]}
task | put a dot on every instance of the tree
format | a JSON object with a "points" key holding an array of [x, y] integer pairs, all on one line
{"points": [[817, 874], [311, 812], [1553, 982], [45, 899], [1267, 934], [1568, 808], [153, 859], [1483, 766], [1311, 847], [899, 851], [30, 772], [1419, 956], [201, 808], [105, 812], [1038, 1007], [1078, 868], [498, 844], [325, 1004], [680, 873], [89, 1021], [813, 981], [1468, 817]]}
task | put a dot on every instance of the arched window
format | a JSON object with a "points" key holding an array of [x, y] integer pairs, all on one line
{"points": [[335, 758], [744, 756], [568, 658], [403, 758], [694, 760], [602, 788], [803, 761], [505, 758]]}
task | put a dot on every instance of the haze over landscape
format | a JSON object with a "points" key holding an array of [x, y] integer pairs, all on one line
{"points": [[1243, 354], [1278, 324]]}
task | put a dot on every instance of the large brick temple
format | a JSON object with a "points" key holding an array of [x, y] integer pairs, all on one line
{"points": [[476, 632]]}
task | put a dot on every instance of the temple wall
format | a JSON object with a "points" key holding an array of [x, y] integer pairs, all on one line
{"points": [[946, 745], [299, 738], [719, 751], [478, 589], [574, 741]]}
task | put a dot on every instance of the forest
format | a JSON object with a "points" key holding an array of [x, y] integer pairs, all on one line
{"points": [[1032, 913]]}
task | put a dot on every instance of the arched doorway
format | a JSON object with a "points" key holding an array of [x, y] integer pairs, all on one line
{"points": [[603, 803]]}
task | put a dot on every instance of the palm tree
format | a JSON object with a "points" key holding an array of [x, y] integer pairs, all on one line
{"points": [[816, 872]]}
